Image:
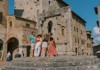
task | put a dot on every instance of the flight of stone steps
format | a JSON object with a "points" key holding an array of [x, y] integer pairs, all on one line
{"points": [[55, 63]]}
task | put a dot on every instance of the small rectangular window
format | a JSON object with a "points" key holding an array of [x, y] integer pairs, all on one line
{"points": [[78, 41], [77, 29], [37, 0], [49, 2], [74, 29], [27, 2], [62, 31], [27, 25], [10, 23], [1, 15]]}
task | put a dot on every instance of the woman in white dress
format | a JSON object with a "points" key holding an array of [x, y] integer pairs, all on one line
{"points": [[38, 46]]}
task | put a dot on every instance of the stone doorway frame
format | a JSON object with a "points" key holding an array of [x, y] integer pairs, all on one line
{"points": [[2, 49], [12, 40]]}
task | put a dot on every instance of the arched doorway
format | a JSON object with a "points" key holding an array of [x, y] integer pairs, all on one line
{"points": [[1, 48], [50, 24], [12, 45], [1, 45]]}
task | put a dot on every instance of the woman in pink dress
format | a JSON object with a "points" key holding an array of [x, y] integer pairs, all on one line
{"points": [[52, 48]]}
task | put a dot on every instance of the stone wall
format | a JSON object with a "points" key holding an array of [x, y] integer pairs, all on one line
{"points": [[59, 36], [74, 37], [89, 44], [3, 10], [59, 27], [49, 5], [20, 29], [69, 33], [79, 36], [35, 7], [17, 25], [31, 8], [96, 49]]}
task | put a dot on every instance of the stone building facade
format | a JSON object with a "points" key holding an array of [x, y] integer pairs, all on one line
{"points": [[97, 11], [45, 17], [79, 37], [89, 44], [3, 21], [56, 17], [18, 31], [14, 32], [96, 49]]}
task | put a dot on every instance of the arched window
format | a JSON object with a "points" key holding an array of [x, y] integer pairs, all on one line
{"points": [[50, 24]]}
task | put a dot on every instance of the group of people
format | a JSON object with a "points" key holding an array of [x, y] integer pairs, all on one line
{"points": [[42, 46]]}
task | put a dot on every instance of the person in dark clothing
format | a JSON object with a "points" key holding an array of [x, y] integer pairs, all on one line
{"points": [[44, 45]]}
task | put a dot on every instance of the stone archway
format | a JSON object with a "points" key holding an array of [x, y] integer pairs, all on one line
{"points": [[1, 45], [50, 25], [1, 48], [12, 45]]}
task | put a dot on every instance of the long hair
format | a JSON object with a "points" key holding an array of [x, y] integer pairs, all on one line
{"points": [[51, 38]]}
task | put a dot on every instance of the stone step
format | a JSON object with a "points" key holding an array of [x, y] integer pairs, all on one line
{"points": [[41, 59], [56, 64], [54, 68], [52, 60]]}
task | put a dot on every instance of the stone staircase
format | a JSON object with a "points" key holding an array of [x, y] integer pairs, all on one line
{"points": [[55, 63]]}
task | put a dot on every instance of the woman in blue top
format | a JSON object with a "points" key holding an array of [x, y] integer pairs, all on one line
{"points": [[32, 42]]}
